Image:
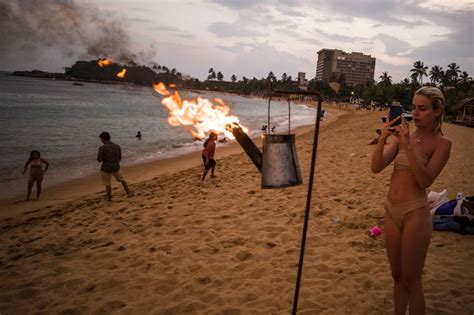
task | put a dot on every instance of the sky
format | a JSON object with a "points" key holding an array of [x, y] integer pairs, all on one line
{"points": [[246, 38]]}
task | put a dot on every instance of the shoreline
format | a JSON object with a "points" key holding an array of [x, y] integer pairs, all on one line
{"points": [[135, 173]]}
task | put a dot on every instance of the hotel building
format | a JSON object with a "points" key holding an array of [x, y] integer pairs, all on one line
{"points": [[356, 67]]}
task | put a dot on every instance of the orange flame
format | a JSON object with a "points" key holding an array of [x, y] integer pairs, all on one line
{"points": [[161, 88], [104, 62], [121, 74], [202, 114]]}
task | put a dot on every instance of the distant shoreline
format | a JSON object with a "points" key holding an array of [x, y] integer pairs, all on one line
{"points": [[38, 74]]}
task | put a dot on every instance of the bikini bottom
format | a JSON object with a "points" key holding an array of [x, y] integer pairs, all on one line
{"points": [[36, 174], [398, 212]]}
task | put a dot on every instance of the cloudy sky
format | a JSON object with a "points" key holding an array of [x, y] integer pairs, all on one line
{"points": [[250, 38]]}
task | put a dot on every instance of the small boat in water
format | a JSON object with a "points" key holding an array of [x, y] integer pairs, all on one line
{"points": [[77, 83]]}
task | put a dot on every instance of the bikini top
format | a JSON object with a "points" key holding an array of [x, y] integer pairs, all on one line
{"points": [[401, 160], [36, 163]]}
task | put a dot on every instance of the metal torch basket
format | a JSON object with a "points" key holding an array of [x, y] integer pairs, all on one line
{"points": [[280, 166]]}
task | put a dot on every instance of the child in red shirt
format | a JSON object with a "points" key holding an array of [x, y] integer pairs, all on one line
{"points": [[208, 155]]}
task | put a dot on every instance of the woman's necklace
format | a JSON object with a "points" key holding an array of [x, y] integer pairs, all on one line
{"points": [[417, 138]]}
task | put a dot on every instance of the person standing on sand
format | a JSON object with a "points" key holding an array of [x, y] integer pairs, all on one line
{"points": [[110, 156], [418, 159], [208, 155], [36, 172]]}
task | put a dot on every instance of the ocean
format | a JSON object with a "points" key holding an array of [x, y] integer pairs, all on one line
{"points": [[63, 122]]}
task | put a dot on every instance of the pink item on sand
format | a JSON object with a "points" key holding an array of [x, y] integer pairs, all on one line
{"points": [[375, 231]]}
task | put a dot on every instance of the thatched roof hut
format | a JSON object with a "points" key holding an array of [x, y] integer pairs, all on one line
{"points": [[465, 111]]}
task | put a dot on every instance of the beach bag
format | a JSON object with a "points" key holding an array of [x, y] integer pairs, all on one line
{"points": [[456, 215]]}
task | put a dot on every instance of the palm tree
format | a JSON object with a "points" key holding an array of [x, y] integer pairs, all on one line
{"points": [[445, 78], [212, 74], [385, 79], [452, 72], [436, 74], [465, 78], [418, 71]]}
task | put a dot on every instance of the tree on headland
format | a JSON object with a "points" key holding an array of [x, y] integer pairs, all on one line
{"points": [[271, 77], [220, 76], [212, 74], [233, 78], [418, 71], [156, 67]]}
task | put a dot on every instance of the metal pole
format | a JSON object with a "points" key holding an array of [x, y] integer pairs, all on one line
{"points": [[308, 206], [289, 115], [268, 118]]}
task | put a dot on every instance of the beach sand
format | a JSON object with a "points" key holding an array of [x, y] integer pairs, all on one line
{"points": [[225, 246]]}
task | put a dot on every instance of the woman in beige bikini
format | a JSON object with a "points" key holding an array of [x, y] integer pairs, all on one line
{"points": [[36, 172], [418, 159]]}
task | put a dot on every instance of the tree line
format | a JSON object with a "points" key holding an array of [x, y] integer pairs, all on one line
{"points": [[455, 83]]}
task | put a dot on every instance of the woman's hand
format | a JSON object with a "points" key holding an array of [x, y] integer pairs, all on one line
{"points": [[388, 129], [402, 132]]}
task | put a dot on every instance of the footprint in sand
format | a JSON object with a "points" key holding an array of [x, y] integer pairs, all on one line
{"points": [[177, 232], [243, 256], [204, 280], [111, 306]]}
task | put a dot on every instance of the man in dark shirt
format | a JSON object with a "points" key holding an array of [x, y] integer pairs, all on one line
{"points": [[110, 155]]}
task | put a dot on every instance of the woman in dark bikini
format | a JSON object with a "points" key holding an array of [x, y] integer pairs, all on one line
{"points": [[36, 172]]}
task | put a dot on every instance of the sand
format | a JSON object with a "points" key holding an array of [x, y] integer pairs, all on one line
{"points": [[226, 246]]}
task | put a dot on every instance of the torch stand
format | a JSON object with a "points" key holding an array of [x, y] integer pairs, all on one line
{"points": [[308, 203], [310, 187]]}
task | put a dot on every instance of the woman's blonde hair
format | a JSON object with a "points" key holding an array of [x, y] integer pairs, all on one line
{"points": [[436, 98]]}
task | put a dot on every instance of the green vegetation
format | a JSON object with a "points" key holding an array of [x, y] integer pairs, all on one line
{"points": [[455, 83]]}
